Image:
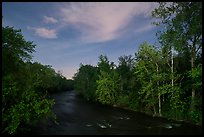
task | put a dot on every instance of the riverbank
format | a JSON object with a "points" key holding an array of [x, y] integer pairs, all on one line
{"points": [[158, 116]]}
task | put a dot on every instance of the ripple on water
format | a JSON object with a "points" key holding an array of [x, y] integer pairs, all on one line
{"points": [[104, 124], [89, 125], [101, 126], [122, 118]]}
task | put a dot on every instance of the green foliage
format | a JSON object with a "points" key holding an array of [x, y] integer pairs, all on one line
{"points": [[148, 80], [30, 106], [196, 76], [108, 82], [107, 88], [85, 81], [44, 78], [165, 89], [177, 106], [103, 63], [21, 106], [125, 71], [165, 80], [15, 50], [24, 84], [123, 101], [182, 22], [148, 72], [14, 44], [196, 116], [134, 104]]}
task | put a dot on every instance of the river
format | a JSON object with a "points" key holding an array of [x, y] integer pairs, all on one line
{"points": [[79, 117]]}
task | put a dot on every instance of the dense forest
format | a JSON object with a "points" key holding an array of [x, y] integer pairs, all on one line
{"points": [[26, 84], [161, 80]]}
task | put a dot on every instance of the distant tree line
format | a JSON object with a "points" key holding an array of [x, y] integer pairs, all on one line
{"points": [[163, 80], [26, 84]]}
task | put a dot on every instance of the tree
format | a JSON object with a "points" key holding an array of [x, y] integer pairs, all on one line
{"points": [[85, 81], [21, 104], [183, 29], [125, 70], [108, 82], [107, 87], [104, 64], [149, 71], [14, 48]]}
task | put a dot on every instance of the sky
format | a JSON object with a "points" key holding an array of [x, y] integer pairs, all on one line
{"points": [[69, 33]]}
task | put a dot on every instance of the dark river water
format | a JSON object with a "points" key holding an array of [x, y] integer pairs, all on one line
{"points": [[78, 117]]}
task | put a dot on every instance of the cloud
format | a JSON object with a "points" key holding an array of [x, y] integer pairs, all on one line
{"points": [[100, 22], [145, 28], [44, 33], [47, 19]]}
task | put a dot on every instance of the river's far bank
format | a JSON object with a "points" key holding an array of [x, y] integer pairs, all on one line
{"points": [[183, 121], [158, 116]]}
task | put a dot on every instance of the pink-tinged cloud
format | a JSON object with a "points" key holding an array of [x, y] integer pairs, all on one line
{"points": [[100, 22], [44, 33], [47, 19]]}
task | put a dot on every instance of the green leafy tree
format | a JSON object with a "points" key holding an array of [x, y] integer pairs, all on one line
{"points": [[196, 79], [108, 87], [125, 70], [85, 81], [149, 65], [144, 71], [104, 64], [183, 29], [21, 104], [108, 83]]}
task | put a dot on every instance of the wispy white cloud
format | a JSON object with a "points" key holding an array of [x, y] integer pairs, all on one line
{"points": [[44, 32], [47, 19], [144, 28], [100, 22]]}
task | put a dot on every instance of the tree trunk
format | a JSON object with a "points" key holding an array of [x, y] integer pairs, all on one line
{"points": [[159, 97], [154, 108], [192, 67], [193, 54], [121, 86], [172, 70]]}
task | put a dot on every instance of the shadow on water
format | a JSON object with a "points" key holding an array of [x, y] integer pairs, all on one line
{"points": [[77, 116]]}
